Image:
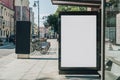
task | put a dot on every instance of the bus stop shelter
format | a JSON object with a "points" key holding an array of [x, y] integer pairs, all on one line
{"points": [[99, 6], [88, 3]]}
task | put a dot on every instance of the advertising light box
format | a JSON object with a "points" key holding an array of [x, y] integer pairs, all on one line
{"points": [[78, 41]]}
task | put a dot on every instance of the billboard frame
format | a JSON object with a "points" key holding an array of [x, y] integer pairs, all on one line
{"points": [[82, 70]]}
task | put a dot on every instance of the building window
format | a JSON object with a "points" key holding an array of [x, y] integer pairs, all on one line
{"points": [[6, 23], [0, 21], [6, 13], [1, 32]]}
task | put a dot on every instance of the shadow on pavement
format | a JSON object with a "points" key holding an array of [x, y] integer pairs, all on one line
{"points": [[45, 79], [44, 58], [84, 77]]}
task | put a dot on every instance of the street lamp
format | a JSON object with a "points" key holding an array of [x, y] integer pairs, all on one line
{"points": [[36, 3]]}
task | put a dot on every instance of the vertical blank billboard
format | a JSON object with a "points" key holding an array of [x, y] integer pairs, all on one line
{"points": [[78, 41]]}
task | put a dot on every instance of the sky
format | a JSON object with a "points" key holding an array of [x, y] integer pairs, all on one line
{"points": [[46, 8]]}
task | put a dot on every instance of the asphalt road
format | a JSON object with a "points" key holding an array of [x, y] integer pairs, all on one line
{"points": [[6, 50]]}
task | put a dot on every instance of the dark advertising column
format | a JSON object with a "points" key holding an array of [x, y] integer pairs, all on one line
{"points": [[23, 37]]}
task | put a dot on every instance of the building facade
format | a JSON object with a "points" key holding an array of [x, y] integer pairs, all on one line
{"points": [[6, 18], [22, 12], [42, 32], [35, 28], [32, 19]]}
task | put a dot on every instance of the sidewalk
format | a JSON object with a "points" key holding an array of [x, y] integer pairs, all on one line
{"points": [[38, 67], [112, 53]]}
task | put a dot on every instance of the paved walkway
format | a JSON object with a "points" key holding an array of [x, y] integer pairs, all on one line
{"points": [[112, 53], [38, 67]]}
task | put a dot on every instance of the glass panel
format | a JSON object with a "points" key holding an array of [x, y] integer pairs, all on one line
{"points": [[112, 40]]}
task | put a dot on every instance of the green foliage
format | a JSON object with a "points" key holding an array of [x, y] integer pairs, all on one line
{"points": [[113, 10], [111, 18], [111, 22], [52, 20], [70, 8], [112, 3]]}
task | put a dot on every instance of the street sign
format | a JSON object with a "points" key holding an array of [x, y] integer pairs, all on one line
{"points": [[79, 41]]}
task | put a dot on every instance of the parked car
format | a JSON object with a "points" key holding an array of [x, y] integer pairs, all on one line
{"points": [[12, 39]]}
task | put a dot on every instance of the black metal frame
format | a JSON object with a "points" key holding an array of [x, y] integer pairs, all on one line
{"points": [[90, 3], [82, 70], [86, 1]]}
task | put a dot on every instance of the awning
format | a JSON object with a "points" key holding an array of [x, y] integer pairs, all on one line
{"points": [[88, 3]]}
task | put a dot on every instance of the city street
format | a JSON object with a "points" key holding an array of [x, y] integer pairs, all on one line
{"points": [[38, 67], [7, 49]]}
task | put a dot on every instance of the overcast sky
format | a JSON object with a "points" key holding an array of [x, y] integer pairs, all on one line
{"points": [[46, 8]]}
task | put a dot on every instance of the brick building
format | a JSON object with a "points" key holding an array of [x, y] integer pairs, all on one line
{"points": [[6, 18], [22, 6]]}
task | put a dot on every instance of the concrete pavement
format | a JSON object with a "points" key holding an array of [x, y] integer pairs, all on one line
{"points": [[38, 67], [112, 53]]}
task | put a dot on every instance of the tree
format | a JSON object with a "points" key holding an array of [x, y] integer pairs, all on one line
{"points": [[112, 9], [52, 20], [70, 8]]}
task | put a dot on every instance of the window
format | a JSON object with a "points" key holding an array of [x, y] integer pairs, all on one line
{"points": [[1, 32], [0, 21], [4, 11], [4, 33]]}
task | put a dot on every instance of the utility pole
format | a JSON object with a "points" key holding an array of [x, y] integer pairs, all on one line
{"points": [[37, 2]]}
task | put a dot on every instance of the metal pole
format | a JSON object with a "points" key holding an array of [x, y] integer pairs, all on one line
{"points": [[103, 39], [21, 10], [38, 22]]}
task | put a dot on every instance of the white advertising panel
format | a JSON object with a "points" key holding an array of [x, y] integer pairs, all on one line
{"points": [[78, 37]]}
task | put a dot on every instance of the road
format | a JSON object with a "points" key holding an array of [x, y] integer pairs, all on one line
{"points": [[7, 49]]}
